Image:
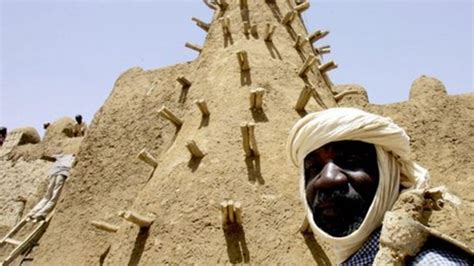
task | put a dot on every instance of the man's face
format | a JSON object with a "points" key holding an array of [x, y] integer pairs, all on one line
{"points": [[341, 179]]}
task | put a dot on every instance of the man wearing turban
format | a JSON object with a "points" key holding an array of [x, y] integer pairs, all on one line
{"points": [[353, 165]]}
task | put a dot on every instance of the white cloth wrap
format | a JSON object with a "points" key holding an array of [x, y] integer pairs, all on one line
{"points": [[392, 145]]}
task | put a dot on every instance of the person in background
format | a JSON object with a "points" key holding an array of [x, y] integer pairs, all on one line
{"points": [[80, 127], [3, 135]]}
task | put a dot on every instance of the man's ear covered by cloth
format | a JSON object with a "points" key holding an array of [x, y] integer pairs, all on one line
{"points": [[392, 146]]}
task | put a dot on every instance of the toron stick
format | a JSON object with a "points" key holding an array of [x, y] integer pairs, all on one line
{"points": [[145, 156], [194, 149], [225, 22], [253, 141], [245, 139], [138, 219], [105, 226], [308, 63], [269, 30], [288, 18], [201, 24], [303, 99], [297, 43], [167, 114], [202, 105], [254, 29], [243, 60], [244, 4], [326, 49], [238, 212], [259, 98], [246, 28], [302, 7], [317, 35], [230, 210], [183, 81], [224, 212], [193, 47], [253, 97], [211, 6], [327, 67]]}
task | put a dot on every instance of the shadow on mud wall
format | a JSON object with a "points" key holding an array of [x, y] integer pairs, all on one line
{"points": [[317, 252], [236, 244], [139, 247]]}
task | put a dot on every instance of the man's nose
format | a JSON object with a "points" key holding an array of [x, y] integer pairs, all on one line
{"points": [[331, 177]]}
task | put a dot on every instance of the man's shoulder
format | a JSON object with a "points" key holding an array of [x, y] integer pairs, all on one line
{"points": [[439, 252]]}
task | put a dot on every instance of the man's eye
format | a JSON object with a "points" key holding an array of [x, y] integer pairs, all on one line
{"points": [[311, 172]]}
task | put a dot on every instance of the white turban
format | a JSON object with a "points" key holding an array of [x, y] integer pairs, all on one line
{"points": [[392, 145]]}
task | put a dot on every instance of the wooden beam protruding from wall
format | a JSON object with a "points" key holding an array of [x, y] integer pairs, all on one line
{"points": [[317, 35], [183, 81], [168, 115], [104, 226], [243, 60], [201, 24], [256, 98], [231, 212], [193, 47], [327, 66], [146, 157], [269, 30], [141, 220], [289, 17], [194, 149], [308, 63], [202, 105], [302, 6], [225, 22], [325, 49], [303, 99]]}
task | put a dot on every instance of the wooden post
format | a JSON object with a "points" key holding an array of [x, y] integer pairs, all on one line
{"points": [[210, 5], [326, 49], [238, 212], [253, 141], [145, 156], [202, 105], [303, 99], [222, 4], [253, 96], [245, 139], [302, 7], [259, 98], [254, 29], [289, 17], [230, 210], [243, 60], [105, 226], [194, 149], [308, 63], [297, 43], [201, 24], [340, 95], [317, 35], [168, 115], [327, 67], [138, 219], [244, 4], [193, 47], [224, 212], [269, 30], [246, 28], [225, 22], [183, 81]]}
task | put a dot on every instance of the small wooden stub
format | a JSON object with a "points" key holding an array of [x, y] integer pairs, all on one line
{"points": [[201, 24], [145, 156], [303, 99], [269, 30], [231, 212], [141, 221], [194, 149], [193, 47], [302, 7], [308, 63], [243, 60], [253, 140], [183, 81], [289, 17], [245, 139], [105, 226], [244, 4], [326, 49], [202, 105], [225, 22], [246, 28], [209, 4], [317, 35], [168, 115], [327, 67]]}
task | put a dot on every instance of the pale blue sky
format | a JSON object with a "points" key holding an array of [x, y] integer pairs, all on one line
{"points": [[60, 58]]}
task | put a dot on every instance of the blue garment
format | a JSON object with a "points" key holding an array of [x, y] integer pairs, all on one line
{"points": [[434, 252]]}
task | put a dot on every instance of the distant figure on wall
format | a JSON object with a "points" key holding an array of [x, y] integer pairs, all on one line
{"points": [[46, 125], [3, 135], [80, 128]]}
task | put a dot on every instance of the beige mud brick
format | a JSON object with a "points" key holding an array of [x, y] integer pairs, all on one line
{"points": [[145, 156]]}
